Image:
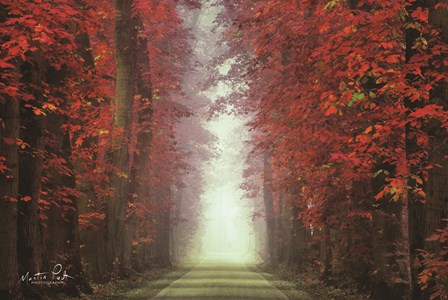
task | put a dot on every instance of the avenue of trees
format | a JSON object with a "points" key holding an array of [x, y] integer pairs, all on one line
{"points": [[346, 104]]}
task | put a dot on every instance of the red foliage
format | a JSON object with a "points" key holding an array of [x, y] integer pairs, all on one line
{"points": [[327, 85]]}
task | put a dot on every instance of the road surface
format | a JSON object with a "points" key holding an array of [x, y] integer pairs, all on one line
{"points": [[220, 277]]}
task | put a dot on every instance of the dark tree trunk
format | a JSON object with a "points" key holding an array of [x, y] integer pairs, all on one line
{"points": [[291, 238], [125, 48], [436, 207], [161, 244], [389, 255], [9, 184], [92, 238], [360, 231], [300, 236], [283, 230], [62, 233], [63, 245], [425, 219], [415, 205], [436, 187], [30, 243], [176, 224], [140, 166], [162, 223], [268, 206], [326, 253]]}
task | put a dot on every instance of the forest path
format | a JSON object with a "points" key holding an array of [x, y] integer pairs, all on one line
{"points": [[221, 277]]}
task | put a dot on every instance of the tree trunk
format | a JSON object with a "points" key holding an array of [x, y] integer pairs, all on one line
{"points": [[300, 237], [283, 230], [92, 238], [291, 238], [30, 239], [326, 253], [415, 206], [161, 245], [389, 255], [9, 184], [125, 47], [139, 171], [62, 240], [176, 233], [436, 187], [162, 222], [268, 205], [425, 219]]}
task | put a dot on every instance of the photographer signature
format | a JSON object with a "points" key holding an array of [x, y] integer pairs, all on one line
{"points": [[57, 276]]}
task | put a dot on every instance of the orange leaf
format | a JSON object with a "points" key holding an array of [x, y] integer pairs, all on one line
{"points": [[331, 110]]}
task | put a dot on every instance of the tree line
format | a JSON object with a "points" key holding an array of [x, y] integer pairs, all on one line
{"points": [[348, 112], [92, 166]]}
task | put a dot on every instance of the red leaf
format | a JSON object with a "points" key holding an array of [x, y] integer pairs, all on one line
{"points": [[5, 65], [26, 198]]}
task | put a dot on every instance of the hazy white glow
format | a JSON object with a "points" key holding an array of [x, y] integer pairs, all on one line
{"points": [[226, 230], [226, 224]]}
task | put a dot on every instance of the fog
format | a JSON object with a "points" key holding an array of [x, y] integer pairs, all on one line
{"points": [[227, 225], [225, 220]]}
